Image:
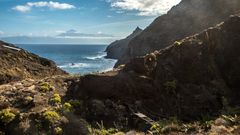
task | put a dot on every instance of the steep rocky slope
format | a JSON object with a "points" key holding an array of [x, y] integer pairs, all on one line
{"points": [[192, 78], [185, 19], [17, 64], [117, 49]]}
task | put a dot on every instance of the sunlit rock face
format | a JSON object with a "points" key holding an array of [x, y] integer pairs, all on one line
{"points": [[184, 19], [17, 64]]}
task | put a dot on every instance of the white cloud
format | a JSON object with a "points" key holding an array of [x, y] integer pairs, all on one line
{"points": [[1, 32], [59, 31], [52, 5], [21, 8], [144, 7]]}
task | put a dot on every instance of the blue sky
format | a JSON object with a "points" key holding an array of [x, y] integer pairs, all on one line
{"points": [[80, 21]]}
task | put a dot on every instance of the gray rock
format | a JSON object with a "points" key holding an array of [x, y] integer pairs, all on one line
{"points": [[117, 49]]}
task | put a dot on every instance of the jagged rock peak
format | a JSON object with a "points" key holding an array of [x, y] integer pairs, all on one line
{"points": [[137, 30]]}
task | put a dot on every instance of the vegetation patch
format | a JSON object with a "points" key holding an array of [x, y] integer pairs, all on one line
{"points": [[67, 107], [101, 130], [56, 99], [6, 116], [58, 131], [51, 116], [75, 103], [46, 87]]}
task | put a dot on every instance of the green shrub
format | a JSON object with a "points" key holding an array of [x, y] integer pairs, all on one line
{"points": [[155, 128], [163, 125], [6, 116], [56, 99], [51, 116], [103, 131], [58, 131], [75, 103], [67, 107], [46, 87]]}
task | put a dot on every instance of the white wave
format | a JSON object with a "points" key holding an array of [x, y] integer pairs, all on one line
{"points": [[96, 57], [74, 65], [105, 70]]}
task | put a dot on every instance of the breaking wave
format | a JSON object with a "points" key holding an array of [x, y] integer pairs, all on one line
{"points": [[74, 65], [100, 56]]}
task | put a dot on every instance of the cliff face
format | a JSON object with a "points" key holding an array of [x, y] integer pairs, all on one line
{"points": [[117, 49], [17, 64], [185, 19], [192, 77]]}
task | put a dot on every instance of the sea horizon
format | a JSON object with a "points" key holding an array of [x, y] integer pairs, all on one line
{"points": [[60, 44]]}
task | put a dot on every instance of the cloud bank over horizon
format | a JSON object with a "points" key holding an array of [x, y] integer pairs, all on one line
{"points": [[75, 34], [64, 37]]}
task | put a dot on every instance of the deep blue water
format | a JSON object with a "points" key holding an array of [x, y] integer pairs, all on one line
{"points": [[80, 59]]}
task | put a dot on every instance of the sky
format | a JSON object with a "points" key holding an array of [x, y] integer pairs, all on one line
{"points": [[76, 21]]}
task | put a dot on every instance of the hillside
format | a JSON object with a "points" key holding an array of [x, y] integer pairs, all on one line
{"points": [[185, 19], [117, 49], [194, 78], [189, 78], [17, 64]]}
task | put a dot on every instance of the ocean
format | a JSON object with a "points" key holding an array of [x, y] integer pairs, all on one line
{"points": [[75, 59]]}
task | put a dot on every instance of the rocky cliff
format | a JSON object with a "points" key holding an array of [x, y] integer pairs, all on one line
{"points": [[185, 19], [117, 49], [189, 78], [17, 64]]}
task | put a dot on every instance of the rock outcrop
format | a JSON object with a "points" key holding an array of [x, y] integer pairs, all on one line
{"points": [[192, 78], [117, 49], [17, 64], [185, 19]]}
